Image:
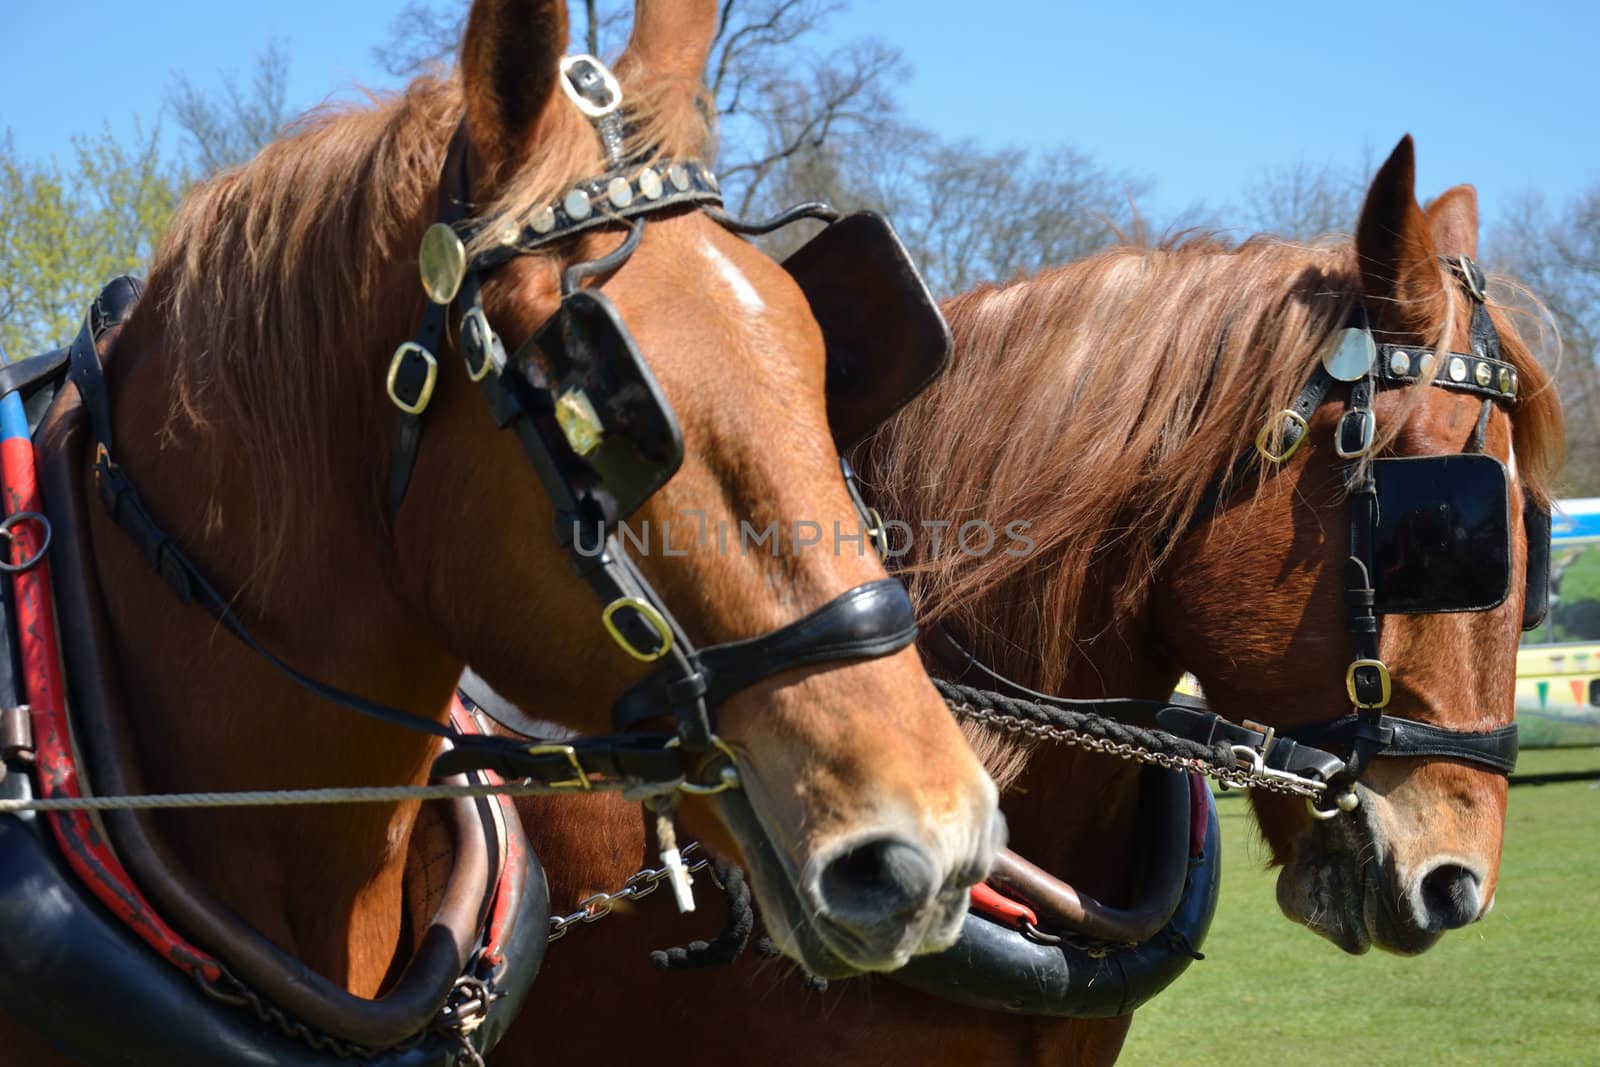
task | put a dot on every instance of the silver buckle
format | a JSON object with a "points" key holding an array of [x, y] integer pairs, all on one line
{"points": [[1369, 426], [476, 320], [608, 81]]}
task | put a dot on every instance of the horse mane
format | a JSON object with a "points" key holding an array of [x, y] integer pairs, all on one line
{"points": [[1098, 402], [284, 281]]}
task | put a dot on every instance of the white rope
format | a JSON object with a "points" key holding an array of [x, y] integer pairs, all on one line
{"points": [[276, 797]]}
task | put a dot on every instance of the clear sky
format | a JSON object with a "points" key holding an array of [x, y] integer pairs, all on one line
{"points": [[1203, 98]]}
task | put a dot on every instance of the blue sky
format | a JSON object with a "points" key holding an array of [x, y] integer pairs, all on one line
{"points": [[1201, 98]]}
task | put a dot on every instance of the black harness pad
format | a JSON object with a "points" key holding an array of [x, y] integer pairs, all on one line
{"points": [[1441, 539], [586, 346], [885, 335], [1536, 524]]}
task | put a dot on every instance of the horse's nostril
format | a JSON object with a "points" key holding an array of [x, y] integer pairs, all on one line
{"points": [[1451, 896], [880, 879]]}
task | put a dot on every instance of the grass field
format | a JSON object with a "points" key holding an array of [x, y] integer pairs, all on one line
{"points": [[1535, 729], [1522, 986]]}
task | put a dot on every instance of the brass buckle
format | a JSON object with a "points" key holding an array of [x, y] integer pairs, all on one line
{"points": [[880, 536], [428, 383], [1464, 262], [1294, 419], [727, 778], [580, 779], [650, 615], [479, 322], [1269, 734], [1384, 687]]}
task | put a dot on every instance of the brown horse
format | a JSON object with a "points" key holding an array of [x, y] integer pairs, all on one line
{"points": [[1098, 403], [248, 397]]}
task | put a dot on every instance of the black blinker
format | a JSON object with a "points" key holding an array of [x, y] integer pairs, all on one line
{"points": [[885, 336], [595, 368], [1536, 524]]}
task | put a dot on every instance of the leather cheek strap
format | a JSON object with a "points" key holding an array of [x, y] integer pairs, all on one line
{"points": [[871, 620]]}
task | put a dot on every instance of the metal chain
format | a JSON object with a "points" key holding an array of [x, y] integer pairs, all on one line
{"points": [[639, 885], [1249, 774], [230, 990]]}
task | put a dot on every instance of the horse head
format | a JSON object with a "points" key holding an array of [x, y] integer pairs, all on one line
{"points": [[1418, 853], [861, 813], [656, 431]]}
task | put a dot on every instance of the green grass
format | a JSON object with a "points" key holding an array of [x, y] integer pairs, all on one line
{"points": [[1535, 730], [1522, 986], [1579, 601]]}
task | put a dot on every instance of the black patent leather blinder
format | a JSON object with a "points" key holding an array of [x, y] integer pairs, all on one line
{"points": [[885, 336], [614, 418], [1536, 525]]}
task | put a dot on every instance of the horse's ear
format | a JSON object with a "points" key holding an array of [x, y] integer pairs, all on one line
{"points": [[1395, 250], [510, 60], [672, 38], [1453, 220]]}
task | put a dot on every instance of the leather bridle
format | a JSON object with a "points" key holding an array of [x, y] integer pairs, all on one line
{"points": [[874, 619], [1339, 751]]}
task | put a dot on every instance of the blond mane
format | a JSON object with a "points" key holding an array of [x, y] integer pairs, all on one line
{"points": [[1098, 402]]}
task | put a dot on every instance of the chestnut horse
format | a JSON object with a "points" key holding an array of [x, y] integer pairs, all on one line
{"points": [[247, 390], [1099, 402]]}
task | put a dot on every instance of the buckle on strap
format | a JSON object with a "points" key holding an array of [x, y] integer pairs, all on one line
{"points": [[579, 780], [407, 394], [653, 618], [1354, 436], [1471, 277], [1294, 434], [1361, 677], [478, 337]]}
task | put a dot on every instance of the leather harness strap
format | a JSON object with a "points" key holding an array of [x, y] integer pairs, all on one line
{"points": [[1180, 716], [414, 369]]}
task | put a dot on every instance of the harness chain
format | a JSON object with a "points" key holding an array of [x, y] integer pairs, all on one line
{"points": [[639, 885], [1094, 733], [1221, 762]]}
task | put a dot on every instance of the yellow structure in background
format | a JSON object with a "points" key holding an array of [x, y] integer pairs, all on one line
{"points": [[1558, 666]]}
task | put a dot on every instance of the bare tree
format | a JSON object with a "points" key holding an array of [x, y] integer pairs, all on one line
{"points": [[229, 129], [778, 96], [1557, 255], [1305, 201], [799, 121]]}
